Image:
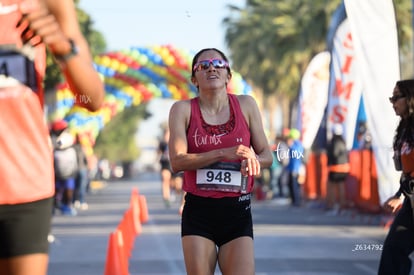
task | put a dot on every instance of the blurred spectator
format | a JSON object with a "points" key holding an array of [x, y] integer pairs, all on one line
{"points": [[165, 170], [279, 149], [296, 155], [65, 166], [82, 177], [364, 137], [104, 169], [338, 170]]}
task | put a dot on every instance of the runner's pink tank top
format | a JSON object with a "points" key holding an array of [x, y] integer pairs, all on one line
{"points": [[200, 141]]}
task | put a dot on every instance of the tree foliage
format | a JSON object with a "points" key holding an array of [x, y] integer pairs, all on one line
{"points": [[403, 14], [273, 41], [116, 141], [278, 39]]}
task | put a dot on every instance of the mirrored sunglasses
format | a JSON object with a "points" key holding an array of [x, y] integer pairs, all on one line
{"points": [[205, 64]]}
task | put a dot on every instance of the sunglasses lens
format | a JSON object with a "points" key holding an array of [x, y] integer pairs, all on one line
{"points": [[201, 65], [394, 98], [205, 64], [219, 63]]}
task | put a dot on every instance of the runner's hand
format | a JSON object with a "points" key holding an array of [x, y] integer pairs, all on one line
{"points": [[39, 25]]}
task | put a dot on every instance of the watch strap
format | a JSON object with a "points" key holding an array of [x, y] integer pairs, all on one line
{"points": [[73, 52]]}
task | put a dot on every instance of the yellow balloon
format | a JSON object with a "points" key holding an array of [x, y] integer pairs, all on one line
{"points": [[106, 115], [114, 64], [110, 81], [129, 90], [172, 88], [106, 61], [169, 60], [137, 99], [123, 67], [118, 83], [97, 59], [156, 48]]}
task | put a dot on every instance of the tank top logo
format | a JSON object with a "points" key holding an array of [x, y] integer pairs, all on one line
{"points": [[200, 140]]}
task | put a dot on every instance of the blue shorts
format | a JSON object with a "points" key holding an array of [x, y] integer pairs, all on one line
{"points": [[65, 184], [219, 220]]}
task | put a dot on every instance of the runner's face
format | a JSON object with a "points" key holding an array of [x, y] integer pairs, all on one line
{"points": [[211, 78]]}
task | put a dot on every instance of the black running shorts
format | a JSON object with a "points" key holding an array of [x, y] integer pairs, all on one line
{"points": [[336, 177], [220, 220], [24, 228]]}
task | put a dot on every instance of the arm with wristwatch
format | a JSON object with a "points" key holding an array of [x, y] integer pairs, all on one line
{"points": [[56, 24]]}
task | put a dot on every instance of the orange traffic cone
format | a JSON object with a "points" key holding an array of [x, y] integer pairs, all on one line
{"points": [[143, 209], [134, 196], [116, 262], [128, 232], [135, 212]]}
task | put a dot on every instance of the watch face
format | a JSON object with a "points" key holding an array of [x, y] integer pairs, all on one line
{"points": [[73, 52], [73, 48]]}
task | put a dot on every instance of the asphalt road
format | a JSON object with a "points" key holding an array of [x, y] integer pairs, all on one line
{"points": [[287, 240]]}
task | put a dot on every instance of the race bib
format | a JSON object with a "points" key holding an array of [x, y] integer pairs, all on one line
{"points": [[222, 176], [17, 66]]}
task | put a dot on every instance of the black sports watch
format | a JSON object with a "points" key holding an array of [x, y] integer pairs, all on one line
{"points": [[73, 52]]}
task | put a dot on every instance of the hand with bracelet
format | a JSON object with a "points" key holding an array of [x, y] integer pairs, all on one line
{"points": [[250, 164], [40, 25]]}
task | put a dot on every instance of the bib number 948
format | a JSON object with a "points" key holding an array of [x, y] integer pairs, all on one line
{"points": [[223, 177], [218, 177]]}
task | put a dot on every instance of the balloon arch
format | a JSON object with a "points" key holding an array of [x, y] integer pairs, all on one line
{"points": [[132, 77]]}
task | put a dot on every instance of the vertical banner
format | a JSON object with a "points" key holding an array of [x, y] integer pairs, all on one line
{"points": [[344, 87], [313, 97], [374, 33]]}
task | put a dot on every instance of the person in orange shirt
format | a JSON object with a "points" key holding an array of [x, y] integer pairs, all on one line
{"points": [[27, 28], [399, 243]]}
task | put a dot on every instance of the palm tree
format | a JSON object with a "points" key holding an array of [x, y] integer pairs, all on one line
{"points": [[273, 41], [404, 15]]}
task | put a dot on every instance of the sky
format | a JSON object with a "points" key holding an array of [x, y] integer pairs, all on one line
{"points": [[186, 24]]}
